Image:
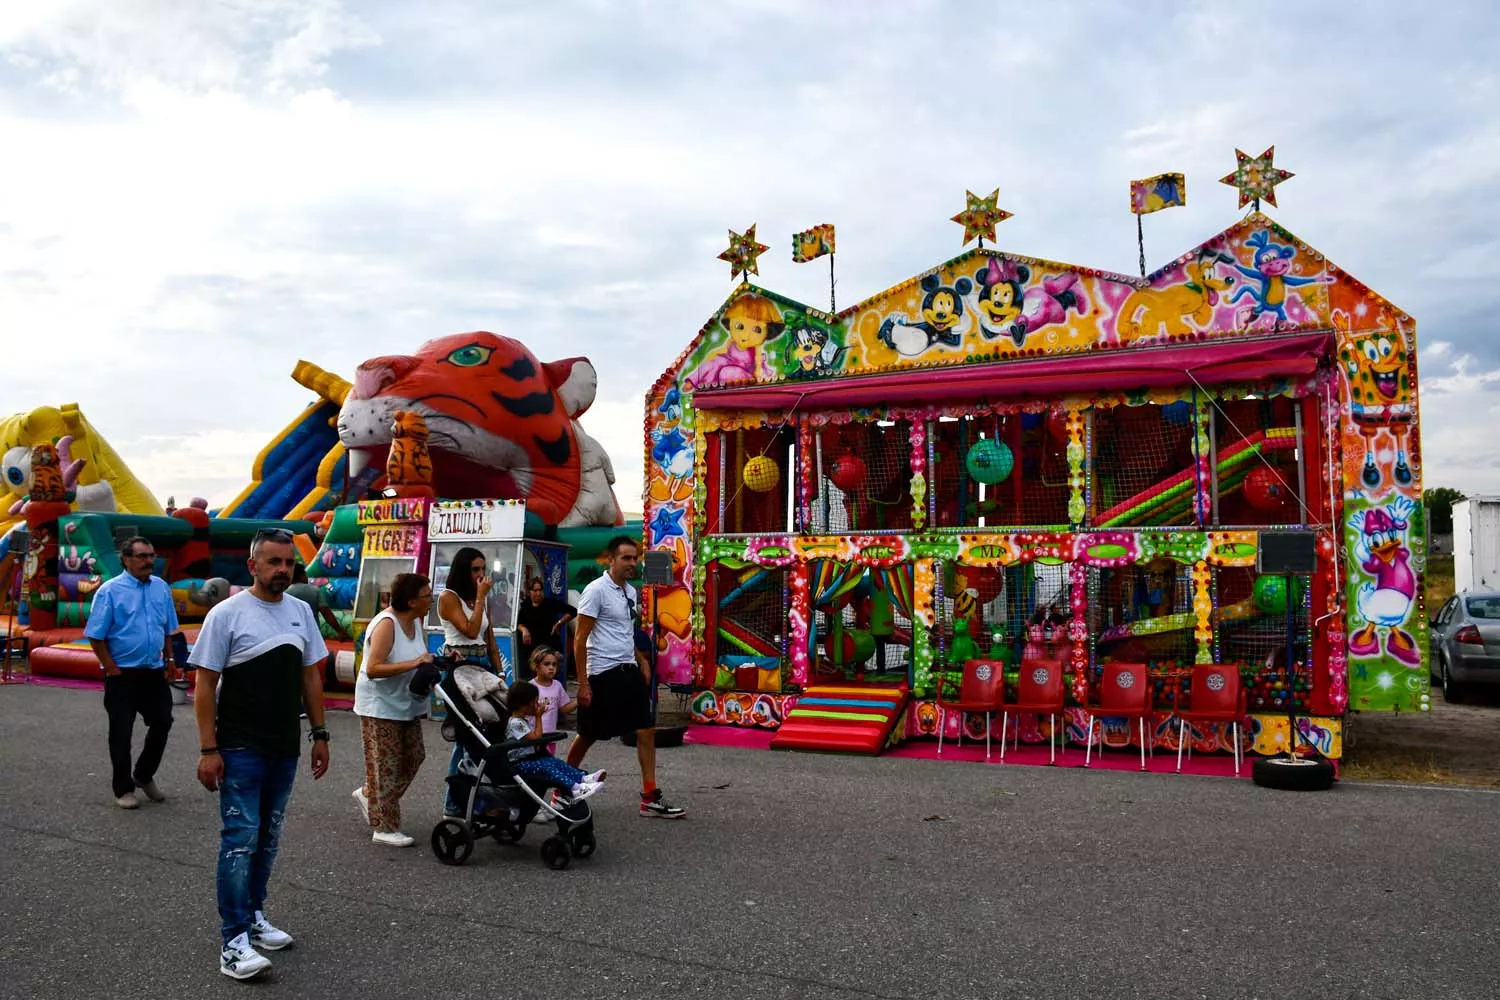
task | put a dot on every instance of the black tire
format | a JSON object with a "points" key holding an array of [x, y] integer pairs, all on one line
{"points": [[1453, 692], [555, 853], [507, 833], [452, 841], [583, 845], [1293, 774]]}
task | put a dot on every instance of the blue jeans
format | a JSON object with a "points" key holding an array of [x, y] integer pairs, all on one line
{"points": [[252, 805], [451, 807]]}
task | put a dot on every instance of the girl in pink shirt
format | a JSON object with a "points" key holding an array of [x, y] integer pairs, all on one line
{"points": [[550, 691]]}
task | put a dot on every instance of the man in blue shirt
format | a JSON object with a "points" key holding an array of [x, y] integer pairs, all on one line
{"points": [[131, 621]]}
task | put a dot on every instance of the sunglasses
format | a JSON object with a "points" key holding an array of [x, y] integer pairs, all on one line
{"points": [[279, 536]]}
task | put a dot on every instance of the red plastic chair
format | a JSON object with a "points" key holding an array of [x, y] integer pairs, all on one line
{"points": [[1215, 696], [1039, 689], [1125, 692], [981, 690]]}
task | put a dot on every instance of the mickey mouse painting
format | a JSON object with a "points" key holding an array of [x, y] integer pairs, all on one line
{"points": [[942, 310]]}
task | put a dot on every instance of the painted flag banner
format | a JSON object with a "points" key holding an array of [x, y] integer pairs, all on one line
{"points": [[812, 244], [1156, 193]]}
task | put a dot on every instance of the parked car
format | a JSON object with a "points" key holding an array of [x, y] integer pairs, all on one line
{"points": [[1465, 640]]}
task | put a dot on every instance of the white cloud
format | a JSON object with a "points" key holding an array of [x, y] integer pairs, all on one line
{"points": [[210, 191]]}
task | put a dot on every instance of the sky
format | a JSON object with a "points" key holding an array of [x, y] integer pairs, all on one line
{"points": [[195, 196]]}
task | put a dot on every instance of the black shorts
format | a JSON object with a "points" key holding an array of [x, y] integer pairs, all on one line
{"points": [[619, 703]]}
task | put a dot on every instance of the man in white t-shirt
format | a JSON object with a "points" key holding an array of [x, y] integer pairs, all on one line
{"points": [[260, 665], [614, 689]]}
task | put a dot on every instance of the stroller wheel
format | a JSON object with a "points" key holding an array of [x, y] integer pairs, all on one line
{"points": [[452, 841], [507, 833], [555, 853], [583, 845]]}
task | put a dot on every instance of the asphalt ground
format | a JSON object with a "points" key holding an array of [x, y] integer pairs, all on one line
{"points": [[794, 875]]}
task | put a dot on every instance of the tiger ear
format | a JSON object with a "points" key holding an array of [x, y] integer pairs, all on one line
{"points": [[576, 383]]}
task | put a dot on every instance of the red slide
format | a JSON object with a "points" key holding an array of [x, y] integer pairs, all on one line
{"points": [[845, 718]]}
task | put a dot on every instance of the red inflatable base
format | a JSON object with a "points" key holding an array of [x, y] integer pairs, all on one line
{"points": [[74, 660]]}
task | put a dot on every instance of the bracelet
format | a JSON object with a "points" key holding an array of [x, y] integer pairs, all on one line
{"points": [[316, 734], [208, 750]]}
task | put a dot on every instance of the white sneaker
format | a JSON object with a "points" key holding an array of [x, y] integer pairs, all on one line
{"points": [[263, 935], [394, 838], [238, 960], [128, 801], [596, 777], [583, 790], [364, 803]]}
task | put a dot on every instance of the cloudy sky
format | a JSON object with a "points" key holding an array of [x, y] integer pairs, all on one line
{"points": [[195, 195]]}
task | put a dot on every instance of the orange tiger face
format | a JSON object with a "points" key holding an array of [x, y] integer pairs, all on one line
{"points": [[407, 424], [500, 424]]}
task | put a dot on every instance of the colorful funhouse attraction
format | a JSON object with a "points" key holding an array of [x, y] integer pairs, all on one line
{"points": [[1008, 482]]}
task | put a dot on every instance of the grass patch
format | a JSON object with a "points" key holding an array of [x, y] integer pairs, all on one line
{"points": [[1414, 765], [1400, 764], [1439, 581]]}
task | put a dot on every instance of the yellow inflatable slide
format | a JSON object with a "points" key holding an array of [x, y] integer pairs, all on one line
{"points": [[102, 465]]}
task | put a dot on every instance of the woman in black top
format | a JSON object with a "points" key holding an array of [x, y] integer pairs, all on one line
{"points": [[542, 621]]}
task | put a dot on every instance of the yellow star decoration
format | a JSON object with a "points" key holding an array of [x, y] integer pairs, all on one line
{"points": [[981, 215], [1256, 177], [742, 253]]}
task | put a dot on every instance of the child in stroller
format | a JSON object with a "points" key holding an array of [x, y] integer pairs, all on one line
{"points": [[534, 760], [497, 799]]}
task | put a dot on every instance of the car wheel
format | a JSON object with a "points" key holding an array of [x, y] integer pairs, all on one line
{"points": [[1293, 774], [1453, 691]]}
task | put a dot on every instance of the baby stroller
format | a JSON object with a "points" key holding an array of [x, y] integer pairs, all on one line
{"points": [[487, 772]]}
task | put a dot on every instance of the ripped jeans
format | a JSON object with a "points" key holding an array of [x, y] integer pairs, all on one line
{"points": [[252, 805]]}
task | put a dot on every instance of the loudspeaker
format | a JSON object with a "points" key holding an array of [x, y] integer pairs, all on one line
{"points": [[656, 568], [1287, 552]]}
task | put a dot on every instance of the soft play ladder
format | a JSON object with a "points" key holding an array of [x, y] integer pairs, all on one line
{"points": [[850, 718]]}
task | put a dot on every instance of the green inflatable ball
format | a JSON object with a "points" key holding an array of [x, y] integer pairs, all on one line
{"points": [[1272, 593], [989, 461]]}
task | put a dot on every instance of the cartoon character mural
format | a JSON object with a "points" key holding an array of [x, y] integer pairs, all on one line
{"points": [[500, 424], [750, 321], [1375, 368], [813, 352], [1272, 276], [1383, 587], [1006, 307], [942, 319], [1154, 311]]}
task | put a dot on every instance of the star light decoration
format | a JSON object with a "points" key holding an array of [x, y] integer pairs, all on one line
{"points": [[742, 253], [1256, 177], [980, 216]]}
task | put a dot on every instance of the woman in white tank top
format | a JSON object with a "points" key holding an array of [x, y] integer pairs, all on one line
{"points": [[463, 611], [389, 714]]}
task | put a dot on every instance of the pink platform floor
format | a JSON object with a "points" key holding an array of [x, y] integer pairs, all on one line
{"points": [[1218, 765]]}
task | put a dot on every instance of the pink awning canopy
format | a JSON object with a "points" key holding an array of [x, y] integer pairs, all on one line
{"points": [[1219, 362]]}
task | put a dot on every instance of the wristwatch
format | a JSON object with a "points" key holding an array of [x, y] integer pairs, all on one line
{"points": [[317, 734]]}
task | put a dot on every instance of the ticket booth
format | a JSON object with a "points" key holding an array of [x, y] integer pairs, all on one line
{"points": [[395, 542], [497, 529]]}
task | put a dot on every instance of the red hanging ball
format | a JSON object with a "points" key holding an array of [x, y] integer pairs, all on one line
{"points": [[1264, 489], [849, 473]]}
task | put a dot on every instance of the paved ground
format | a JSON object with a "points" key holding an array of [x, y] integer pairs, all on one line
{"points": [[796, 876]]}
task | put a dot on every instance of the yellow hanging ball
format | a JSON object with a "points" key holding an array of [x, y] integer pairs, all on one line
{"points": [[762, 474]]}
